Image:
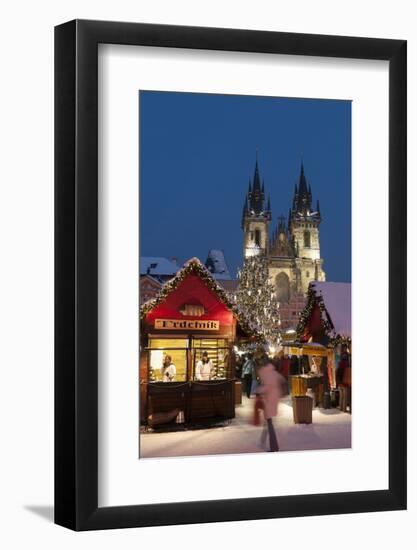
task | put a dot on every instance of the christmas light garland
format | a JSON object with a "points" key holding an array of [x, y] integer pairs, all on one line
{"points": [[340, 340], [312, 300], [257, 299], [316, 299], [195, 266]]}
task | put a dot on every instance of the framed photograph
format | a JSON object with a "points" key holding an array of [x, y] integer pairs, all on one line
{"points": [[230, 244]]}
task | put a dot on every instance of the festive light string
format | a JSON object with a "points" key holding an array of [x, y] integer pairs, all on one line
{"points": [[316, 299], [333, 342], [254, 305], [195, 266], [256, 297]]}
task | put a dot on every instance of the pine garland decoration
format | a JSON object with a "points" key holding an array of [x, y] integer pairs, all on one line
{"points": [[195, 266], [316, 299]]}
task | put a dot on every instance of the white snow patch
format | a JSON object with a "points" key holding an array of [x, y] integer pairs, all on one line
{"points": [[337, 301], [216, 264], [331, 429], [151, 265]]}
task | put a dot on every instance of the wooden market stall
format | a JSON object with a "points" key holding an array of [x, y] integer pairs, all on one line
{"points": [[187, 335], [308, 369], [326, 322]]}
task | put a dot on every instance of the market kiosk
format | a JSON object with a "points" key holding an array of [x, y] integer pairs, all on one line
{"points": [[311, 372], [326, 322], [190, 322]]}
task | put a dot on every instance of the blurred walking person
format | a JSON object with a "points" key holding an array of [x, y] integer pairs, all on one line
{"points": [[271, 390]]}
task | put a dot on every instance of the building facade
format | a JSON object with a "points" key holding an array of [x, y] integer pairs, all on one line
{"points": [[292, 246], [154, 272]]}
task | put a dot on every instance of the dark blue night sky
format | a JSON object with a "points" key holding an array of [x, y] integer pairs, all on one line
{"points": [[197, 153]]}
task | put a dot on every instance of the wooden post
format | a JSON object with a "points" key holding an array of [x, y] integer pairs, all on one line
{"points": [[143, 384]]}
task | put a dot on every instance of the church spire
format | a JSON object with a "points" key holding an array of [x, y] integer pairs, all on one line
{"points": [[318, 210], [256, 193], [256, 178], [244, 210], [295, 198], [302, 188], [281, 224], [302, 195], [256, 216]]}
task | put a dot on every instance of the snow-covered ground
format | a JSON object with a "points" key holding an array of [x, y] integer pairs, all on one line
{"points": [[331, 429]]}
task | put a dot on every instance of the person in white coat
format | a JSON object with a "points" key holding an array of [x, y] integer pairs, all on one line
{"points": [[271, 391], [168, 370], [204, 368]]}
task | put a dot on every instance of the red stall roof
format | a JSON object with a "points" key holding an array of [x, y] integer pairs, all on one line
{"points": [[194, 284]]}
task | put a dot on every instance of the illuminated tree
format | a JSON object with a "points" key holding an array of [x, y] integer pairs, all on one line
{"points": [[257, 299]]}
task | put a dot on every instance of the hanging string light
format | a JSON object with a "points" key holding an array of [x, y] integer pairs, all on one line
{"points": [[256, 298], [195, 266], [315, 299]]}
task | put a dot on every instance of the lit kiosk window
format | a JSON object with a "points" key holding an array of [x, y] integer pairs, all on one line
{"points": [[167, 359], [188, 334]]}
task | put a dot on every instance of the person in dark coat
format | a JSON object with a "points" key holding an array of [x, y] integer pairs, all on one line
{"points": [[248, 374]]}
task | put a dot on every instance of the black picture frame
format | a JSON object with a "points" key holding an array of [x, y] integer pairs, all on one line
{"points": [[76, 272]]}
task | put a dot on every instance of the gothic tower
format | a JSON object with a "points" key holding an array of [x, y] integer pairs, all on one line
{"points": [[303, 225], [292, 250], [256, 217]]}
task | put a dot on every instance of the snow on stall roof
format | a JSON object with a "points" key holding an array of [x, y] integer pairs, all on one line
{"points": [[151, 265], [216, 264], [337, 301]]}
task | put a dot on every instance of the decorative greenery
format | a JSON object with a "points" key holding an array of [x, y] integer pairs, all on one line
{"points": [[195, 266], [257, 299], [314, 299], [340, 340]]}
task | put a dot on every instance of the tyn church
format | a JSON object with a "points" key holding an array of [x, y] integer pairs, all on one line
{"points": [[292, 247]]}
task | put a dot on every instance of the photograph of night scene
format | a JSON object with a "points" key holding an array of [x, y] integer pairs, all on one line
{"points": [[244, 274]]}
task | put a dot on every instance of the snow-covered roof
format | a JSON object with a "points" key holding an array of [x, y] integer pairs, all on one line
{"points": [[337, 301], [150, 265], [216, 264]]}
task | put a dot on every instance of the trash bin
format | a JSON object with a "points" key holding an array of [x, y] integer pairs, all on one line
{"points": [[302, 407], [310, 393], [298, 386]]}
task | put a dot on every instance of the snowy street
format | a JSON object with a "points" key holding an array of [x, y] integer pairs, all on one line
{"points": [[331, 429]]}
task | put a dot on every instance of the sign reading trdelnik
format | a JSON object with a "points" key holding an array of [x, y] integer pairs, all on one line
{"points": [[184, 324]]}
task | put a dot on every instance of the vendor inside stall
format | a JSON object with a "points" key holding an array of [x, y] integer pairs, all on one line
{"points": [[188, 333], [326, 322]]}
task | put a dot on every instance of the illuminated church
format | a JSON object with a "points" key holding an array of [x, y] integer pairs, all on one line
{"points": [[292, 246]]}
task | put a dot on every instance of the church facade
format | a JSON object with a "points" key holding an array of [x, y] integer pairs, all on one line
{"points": [[292, 247]]}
